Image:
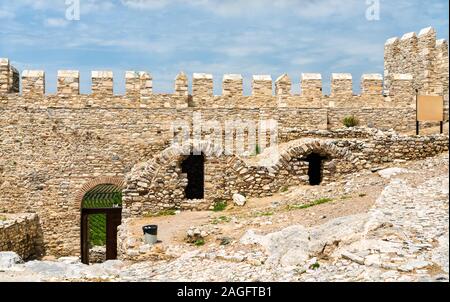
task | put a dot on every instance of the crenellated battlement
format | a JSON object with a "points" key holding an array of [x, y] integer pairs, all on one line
{"points": [[421, 56], [232, 85], [341, 85], [262, 85], [68, 83], [202, 89], [414, 61], [33, 83], [371, 84], [9, 77], [265, 92]]}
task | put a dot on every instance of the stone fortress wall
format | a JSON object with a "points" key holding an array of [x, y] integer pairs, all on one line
{"points": [[54, 146]]}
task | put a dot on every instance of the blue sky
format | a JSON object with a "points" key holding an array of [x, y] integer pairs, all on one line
{"points": [[212, 36]]}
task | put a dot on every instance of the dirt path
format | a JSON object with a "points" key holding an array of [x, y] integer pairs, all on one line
{"points": [[354, 194], [269, 214], [171, 229]]}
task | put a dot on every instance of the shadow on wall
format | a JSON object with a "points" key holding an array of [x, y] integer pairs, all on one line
{"points": [[39, 248], [315, 168], [194, 167]]}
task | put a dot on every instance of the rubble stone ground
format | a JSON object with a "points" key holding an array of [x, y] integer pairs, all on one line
{"points": [[387, 224]]}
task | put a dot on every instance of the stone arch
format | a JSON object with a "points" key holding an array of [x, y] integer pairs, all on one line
{"points": [[150, 169], [113, 180], [111, 221], [322, 147], [334, 161], [146, 181]]}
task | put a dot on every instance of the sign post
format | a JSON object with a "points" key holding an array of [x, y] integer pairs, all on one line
{"points": [[429, 109]]}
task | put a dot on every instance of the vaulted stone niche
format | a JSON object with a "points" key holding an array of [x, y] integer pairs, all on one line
{"points": [[316, 163], [194, 168]]}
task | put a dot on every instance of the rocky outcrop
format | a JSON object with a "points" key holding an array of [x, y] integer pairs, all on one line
{"points": [[296, 244]]}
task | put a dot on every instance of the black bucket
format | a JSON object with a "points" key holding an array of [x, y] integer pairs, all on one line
{"points": [[150, 229]]}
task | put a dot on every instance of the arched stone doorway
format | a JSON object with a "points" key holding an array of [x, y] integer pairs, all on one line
{"points": [[194, 167], [101, 214], [315, 168]]}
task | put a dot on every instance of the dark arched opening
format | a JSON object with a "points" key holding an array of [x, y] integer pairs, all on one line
{"points": [[194, 167], [315, 168], [101, 213]]}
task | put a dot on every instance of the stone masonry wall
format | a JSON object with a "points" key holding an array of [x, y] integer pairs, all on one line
{"points": [[52, 145], [157, 185], [48, 154], [421, 56], [21, 233]]}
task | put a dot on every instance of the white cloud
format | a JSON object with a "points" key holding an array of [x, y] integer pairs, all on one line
{"points": [[4, 14], [227, 8], [249, 37], [146, 4], [56, 22], [302, 61], [95, 6], [42, 5], [59, 6]]}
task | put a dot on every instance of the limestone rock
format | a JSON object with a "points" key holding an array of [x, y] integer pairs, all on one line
{"points": [[8, 260], [69, 260], [239, 199], [296, 244], [390, 172], [441, 253]]}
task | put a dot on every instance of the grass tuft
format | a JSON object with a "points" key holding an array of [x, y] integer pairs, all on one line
{"points": [[170, 212], [221, 219], [257, 150], [350, 121], [284, 189], [199, 242], [311, 204], [314, 266], [220, 206], [259, 214]]}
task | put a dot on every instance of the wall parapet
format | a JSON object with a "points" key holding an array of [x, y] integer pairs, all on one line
{"points": [[262, 85], [420, 55], [341, 84], [372, 84], [9, 77], [139, 87], [202, 89], [402, 88], [33, 83], [232, 85], [102, 83], [138, 84], [283, 87], [181, 85], [311, 85]]}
